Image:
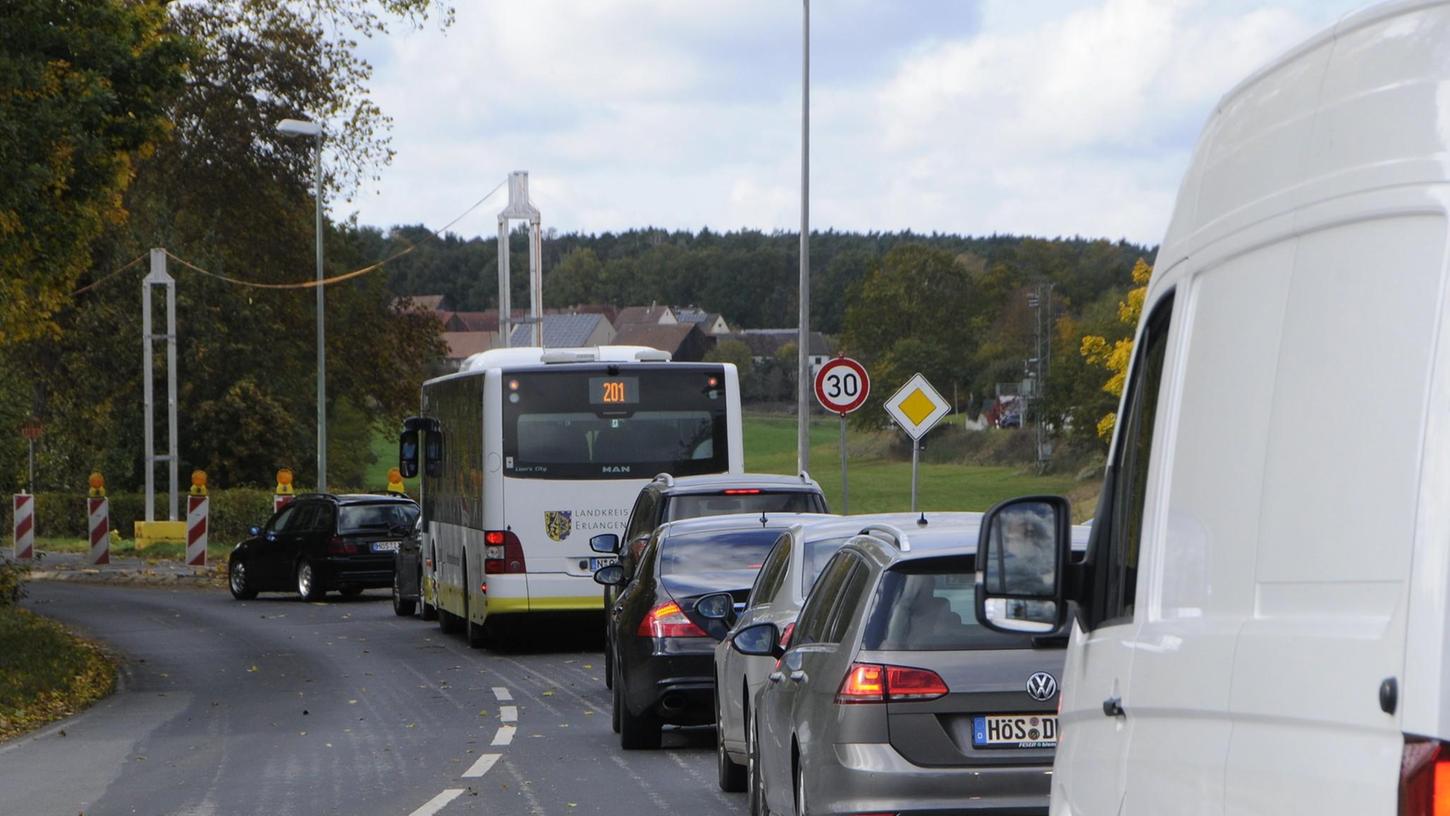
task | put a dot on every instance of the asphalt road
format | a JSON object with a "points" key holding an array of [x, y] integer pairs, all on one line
{"points": [[275, 706]]}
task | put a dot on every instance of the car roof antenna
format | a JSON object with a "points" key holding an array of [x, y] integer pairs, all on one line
{"points": [[921, 522], [763, 519]]}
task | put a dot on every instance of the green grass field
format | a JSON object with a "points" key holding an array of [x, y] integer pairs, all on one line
{"points": [[877, 485], [881, 485]]}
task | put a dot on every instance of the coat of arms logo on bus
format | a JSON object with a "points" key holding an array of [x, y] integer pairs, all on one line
{"points": [[558, 523]]}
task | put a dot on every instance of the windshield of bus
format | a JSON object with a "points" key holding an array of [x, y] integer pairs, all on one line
{"points": [[634, 422]]}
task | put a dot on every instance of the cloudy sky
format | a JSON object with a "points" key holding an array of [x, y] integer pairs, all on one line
{"points": [[1046, 117]]}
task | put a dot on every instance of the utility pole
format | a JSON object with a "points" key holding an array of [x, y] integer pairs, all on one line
{"points": [[803, 373]]}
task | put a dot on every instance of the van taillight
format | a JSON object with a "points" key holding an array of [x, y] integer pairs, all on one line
{"points": [[503, 553], [668, 620], [1424, 778], [337, 545], [874, 683]]}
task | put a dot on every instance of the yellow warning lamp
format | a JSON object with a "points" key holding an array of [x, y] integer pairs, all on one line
{"points": [[198, 483], [395, 481], [284, 482], [98, 485]]}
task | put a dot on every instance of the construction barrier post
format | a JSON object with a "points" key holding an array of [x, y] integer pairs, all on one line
{"points": [[24, 505], [98, 512], [198, 508], [282, 496]]}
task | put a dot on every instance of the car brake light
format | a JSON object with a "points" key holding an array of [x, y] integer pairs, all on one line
{"points": [[668, 620], [1424, 778], [785, 635], [337, 545], [903, 683], [874, 683], [503, 553], [741, 491]]}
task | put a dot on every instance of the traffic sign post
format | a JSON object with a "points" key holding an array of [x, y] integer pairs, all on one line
{"points": [[842, 386], [31, 430], [917, 408]]}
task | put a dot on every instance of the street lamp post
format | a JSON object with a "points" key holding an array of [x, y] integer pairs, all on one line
{"points": [[299, 127], [803, 372]]}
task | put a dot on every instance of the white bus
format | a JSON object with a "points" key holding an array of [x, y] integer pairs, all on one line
{"points": [[528, 452]]}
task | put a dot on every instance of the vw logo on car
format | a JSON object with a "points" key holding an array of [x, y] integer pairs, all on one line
{"points": [[1042, 686]]}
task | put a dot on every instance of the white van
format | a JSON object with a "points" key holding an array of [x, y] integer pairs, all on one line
{"points": [[1261, 618]]}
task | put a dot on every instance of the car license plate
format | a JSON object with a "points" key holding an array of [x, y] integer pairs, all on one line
{"points": [[597, 564], [385, 546], [1015, 731]]}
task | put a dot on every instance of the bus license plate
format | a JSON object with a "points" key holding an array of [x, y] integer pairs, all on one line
{"points": [[1015, 731], [597, 564], [385, 546]]}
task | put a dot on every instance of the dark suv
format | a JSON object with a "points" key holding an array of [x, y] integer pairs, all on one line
{"points": [[667, 498], [322, 542]]}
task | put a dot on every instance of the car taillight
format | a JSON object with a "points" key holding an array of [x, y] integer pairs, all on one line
{"points": [[503, 553], [668, 620], [874, 683], [1424, 778], [337, 545], [785, 635]]}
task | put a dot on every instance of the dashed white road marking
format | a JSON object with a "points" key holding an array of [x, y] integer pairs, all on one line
{"points": [[505, 735], [508, 714], [503, 694], [438, 802], [481, 767]]}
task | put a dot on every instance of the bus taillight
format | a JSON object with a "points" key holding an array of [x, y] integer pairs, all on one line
{"points": [[503, 553]]}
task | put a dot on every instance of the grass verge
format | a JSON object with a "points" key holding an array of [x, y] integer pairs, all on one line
{"points": [[46, 672]]}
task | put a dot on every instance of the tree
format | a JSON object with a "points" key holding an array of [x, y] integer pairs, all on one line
{"points": [[83, 89], [1116, 356], [737, 353], [917, 310]]}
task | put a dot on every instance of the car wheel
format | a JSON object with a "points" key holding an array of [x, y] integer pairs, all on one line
{"points": [[618, 704], [800, 790], [238, 581], [608, 661], [402, 608], [351, 591], [752, 768], [308, 587], [429, 611], [635, 732], [729, 774]]}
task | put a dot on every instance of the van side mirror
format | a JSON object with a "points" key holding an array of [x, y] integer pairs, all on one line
{"points": [[408, 453], [433, 454], [607, 543], [1022, 550], [760, 640]]}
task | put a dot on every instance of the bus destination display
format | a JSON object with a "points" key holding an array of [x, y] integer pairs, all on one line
{"points": [[614, 390]]}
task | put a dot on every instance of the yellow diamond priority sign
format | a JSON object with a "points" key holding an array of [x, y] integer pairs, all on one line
{"points": [[917, 407]]}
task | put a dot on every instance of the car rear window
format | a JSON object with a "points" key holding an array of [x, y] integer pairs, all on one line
{"points": [[930, 605], [721, 557], [392, 516], [698, 505]]}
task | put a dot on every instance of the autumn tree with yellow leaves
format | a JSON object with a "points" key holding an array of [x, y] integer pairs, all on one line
{"points": [[1115, 357]]}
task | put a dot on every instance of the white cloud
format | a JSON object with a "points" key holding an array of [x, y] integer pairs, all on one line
{"points": [[1049, 118]]}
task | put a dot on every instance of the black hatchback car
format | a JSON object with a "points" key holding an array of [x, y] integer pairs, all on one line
{"points": [[322, 542], [663, 647]]}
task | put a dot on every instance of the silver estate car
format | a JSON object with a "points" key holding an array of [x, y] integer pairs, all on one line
{"points": [[891, 698], [781, 587]]}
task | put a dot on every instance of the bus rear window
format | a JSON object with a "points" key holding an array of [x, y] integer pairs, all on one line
{"points": [[698, 505], [930, 605], [588, 425]]}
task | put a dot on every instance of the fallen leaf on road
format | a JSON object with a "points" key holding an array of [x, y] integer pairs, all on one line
{"points": [[253, 668], [549, 693]]}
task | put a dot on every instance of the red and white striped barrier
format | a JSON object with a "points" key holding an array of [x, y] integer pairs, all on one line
{"points": [[197, 511], [24, 505], [98, 512], [280, 500]]}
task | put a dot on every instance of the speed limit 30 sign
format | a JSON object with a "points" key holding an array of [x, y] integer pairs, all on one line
{"points": [[842, 385]]}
